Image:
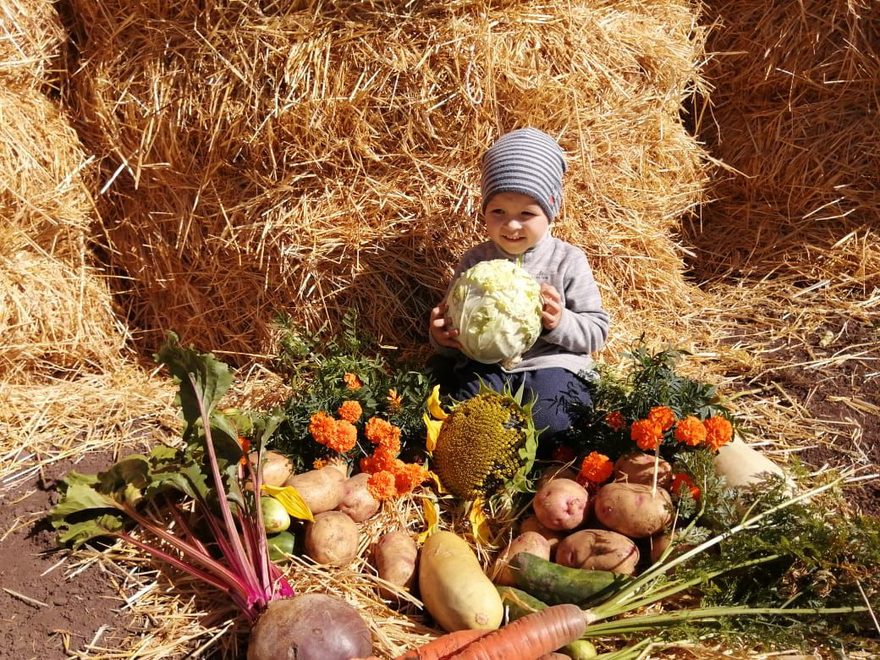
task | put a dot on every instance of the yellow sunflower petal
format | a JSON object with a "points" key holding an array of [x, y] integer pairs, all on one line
{"points": [[433, 428], [434, 406], [432, 518], [291, 500], [479, 524]]}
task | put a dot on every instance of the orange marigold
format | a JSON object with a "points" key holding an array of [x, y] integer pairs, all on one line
{"points": [[322, 427], [690, 431], [352, 381], [382, 485], [408, 476], [350, 411], [395, 401], [596, 468], [381, 460], [345, 437], [646, 433], [663, 415], [383, 433], [615, 420], [245, 445], [719, 432]]}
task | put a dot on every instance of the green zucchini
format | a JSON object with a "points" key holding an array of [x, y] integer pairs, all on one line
{"points": [[554, 584]]}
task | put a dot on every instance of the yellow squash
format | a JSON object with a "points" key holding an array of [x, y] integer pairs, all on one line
{"points": [[454, 588]]}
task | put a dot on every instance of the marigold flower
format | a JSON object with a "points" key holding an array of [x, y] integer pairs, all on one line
{"points": [[690, 431], [682, 480], [345, 436], [646, 433], [245, 445], [663, 415], [350, 411], [381, 460], [352, 382], [595, 468], [382, 485], [615, 420], [395, 401], [322, 427], [408, 476], [384, 433], [320, 463], [719, 432]]}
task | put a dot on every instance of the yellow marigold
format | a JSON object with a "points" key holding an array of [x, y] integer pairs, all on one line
{"points": [[615, 420], [352, 381], [408, 476], [382, 485], [719, 432], [646, 433], [322, 427], [383, 433], [395, 401], [350, 411], [690, 431], [663, 415], [596, 468]]}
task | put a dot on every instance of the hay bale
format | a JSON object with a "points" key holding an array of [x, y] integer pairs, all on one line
{"points": [[794, 113], [30, 42], [55, 308], [311, 159]]}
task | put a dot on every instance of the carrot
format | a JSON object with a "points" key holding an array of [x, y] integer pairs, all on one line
{"points": [[444, 646], [530, 637]]}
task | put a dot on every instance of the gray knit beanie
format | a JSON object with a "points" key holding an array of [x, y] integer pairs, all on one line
{"points": [[525, 161]]}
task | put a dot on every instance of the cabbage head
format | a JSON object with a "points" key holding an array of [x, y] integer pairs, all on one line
{"points": [[496, 307]]}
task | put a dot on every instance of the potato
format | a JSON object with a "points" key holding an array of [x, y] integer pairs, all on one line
{"points": [[599, 550], [357, 501], [632, 509], [321, 489], [531, 542], [532, 524], [638, 468], [309, 627], [277, 468], [394, 556], [332, 538], [561, 504]]}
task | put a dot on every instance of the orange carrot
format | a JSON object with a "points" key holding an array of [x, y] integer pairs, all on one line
{"points": [[529, 637], [444, 646]]}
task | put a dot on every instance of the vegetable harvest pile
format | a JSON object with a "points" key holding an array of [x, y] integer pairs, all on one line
{"points": [[631, 538]]}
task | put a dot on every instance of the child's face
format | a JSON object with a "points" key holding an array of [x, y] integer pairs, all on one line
{"points": [[515, 222]]}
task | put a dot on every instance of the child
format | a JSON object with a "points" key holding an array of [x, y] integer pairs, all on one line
{"points": [[522, 192]]}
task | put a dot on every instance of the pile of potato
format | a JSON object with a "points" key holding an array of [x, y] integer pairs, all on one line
{"points": [[608, 531]]}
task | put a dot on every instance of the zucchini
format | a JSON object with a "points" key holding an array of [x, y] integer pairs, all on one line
{"points": [[517, 603], [554, 584]]}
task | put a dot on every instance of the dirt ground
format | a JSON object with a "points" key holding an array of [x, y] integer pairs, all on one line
{"points": [[53, 609]]}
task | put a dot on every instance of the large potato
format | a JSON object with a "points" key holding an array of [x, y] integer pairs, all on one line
{"points": [[321, 489], [561, 504], [634, 510], [277, 468], [394, 556], [357, 501], [638, 468], [599, 550], [531, 542], [332, 538], [532, 524]]}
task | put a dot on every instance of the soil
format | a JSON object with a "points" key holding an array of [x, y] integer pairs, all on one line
{"points": [[45, 613]]}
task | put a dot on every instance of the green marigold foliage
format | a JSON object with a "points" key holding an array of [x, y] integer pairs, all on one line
{"points": [[487, 443]]}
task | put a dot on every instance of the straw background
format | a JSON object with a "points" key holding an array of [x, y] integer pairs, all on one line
{"points": [[200, 167]]}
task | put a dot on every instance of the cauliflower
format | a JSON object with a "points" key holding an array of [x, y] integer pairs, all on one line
{"points": [[496, 307]]}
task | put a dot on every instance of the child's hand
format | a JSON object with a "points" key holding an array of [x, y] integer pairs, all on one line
{"points": [[441, 328], [551, 311]]}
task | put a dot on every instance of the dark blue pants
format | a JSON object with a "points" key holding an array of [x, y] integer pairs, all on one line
{"points": [[558, 393]]}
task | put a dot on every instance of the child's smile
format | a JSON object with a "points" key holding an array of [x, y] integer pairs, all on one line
{"points": [[515, 222]]}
